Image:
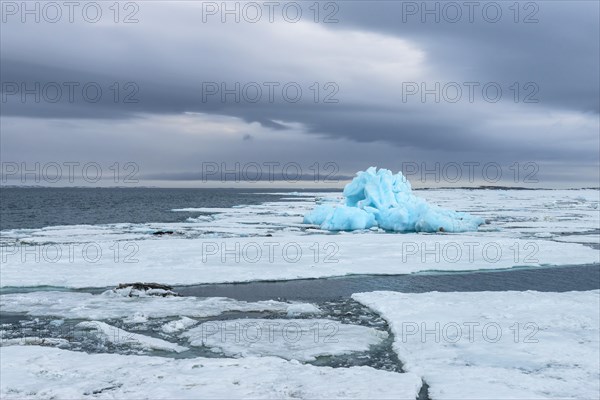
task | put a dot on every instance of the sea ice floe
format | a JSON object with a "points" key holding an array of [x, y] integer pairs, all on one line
{"points": [[592, 239], [377, 198], [178, 325], [196, 261], [496, 345], [112, 334], [292, 339], [35, 341], [302, 308], [35, 372], [108, 305]]}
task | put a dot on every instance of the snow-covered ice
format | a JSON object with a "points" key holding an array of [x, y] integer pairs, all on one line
{"points": [[497, 345], [107, 305], [35, 341], [195, 261], [42, 373], [296, 309], [178, 325], [378, 198], [292, 339], [595, 239], [112, 334]]}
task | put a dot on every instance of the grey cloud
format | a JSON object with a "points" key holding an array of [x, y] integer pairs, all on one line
{"points": [[560, 53]]}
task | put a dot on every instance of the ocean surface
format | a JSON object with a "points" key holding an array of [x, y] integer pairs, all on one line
{"points": [[27, 208]]}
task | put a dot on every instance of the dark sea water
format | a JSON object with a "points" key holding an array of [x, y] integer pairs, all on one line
{"points": [[551, 279], [27, 208]]}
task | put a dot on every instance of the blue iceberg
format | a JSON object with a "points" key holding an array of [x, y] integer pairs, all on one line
{"points": [[380, 199]]}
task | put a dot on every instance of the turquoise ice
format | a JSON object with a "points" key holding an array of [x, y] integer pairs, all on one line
{"points": [[378, 198]]}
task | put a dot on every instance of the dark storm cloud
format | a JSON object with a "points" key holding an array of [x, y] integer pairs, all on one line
{"points": [[402, 123]]}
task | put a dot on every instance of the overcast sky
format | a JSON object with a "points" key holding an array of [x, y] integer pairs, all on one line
{"points": [[507, 88]]}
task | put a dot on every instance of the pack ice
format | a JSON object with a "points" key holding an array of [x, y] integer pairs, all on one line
{"points": [[378, 198]]}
